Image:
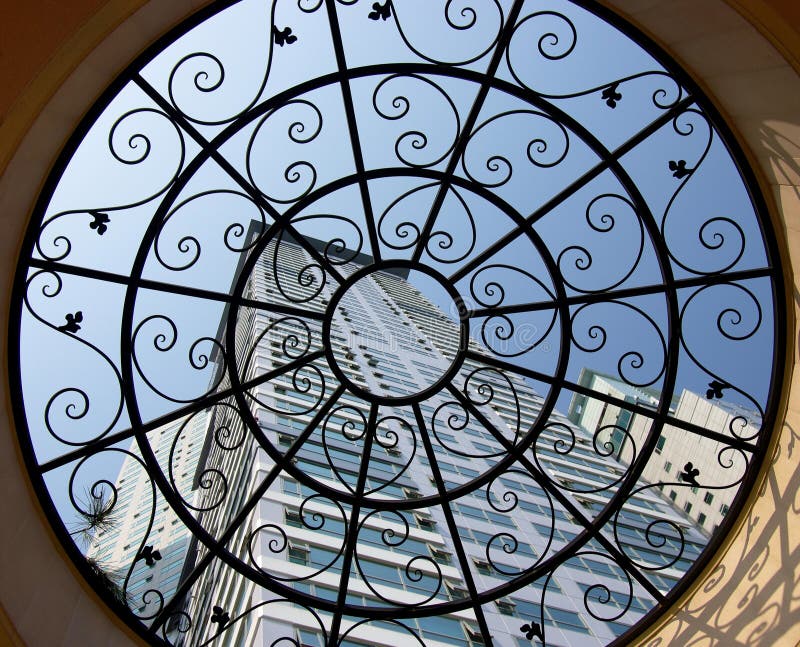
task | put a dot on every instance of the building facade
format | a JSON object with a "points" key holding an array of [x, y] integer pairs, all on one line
{"points": [[676, 448], [389, 339], [144, 549]]}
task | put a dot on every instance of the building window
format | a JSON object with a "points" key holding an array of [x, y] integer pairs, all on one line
{"points": [[441, 556], [474, 635], [425, 521], [506, 607], [412, 492], [660, 443], [708, 498], [482, 566], [293, 519], [298, 554], [456, 592]]}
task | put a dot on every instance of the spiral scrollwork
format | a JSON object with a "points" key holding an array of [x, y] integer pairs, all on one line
{"points": [[306, 383], [448, 417], [212, 484], [667, 536], [484, 386], [398, 228], [302, 122], [606, 604], [553, 33], [414, 148], [420, 573], [549, 40], [458, 33], [725, 318], [202, 354], [492, 284], [503, 499], [177, 247], [274, 540], [345, 423], [548, 147], [387, 434], [98, 513], [609, 440], [575, 262], [302, 286], [512, 335], [291, 335], [69, 413], [178, 624], [719, 241], [639, 366], [345, 242], [201, 89], [275, 607], [132, 150]]}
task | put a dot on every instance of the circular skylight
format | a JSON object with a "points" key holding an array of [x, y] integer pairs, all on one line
{"points": [[393, 323]]}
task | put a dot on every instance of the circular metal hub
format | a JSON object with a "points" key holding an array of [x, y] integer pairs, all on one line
{"points": [[372, 331]]}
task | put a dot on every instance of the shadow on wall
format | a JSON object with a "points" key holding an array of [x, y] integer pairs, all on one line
{"points": [[762, 592], [784, 161]]}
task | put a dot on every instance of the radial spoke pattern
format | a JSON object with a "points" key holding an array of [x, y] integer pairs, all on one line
{"points": [[304, 299]]}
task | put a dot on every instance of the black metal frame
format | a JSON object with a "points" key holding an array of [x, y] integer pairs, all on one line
{"points": [[447, 174]]}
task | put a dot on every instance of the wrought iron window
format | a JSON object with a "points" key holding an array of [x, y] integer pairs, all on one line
{"points": [[305, 295]]}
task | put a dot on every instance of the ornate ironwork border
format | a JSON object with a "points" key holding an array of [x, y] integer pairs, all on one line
{"points": [[729, 272]]}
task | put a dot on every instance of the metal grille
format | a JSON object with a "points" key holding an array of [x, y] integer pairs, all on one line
{"points": [[305, 296]]}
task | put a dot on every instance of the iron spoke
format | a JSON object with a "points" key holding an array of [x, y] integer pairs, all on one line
{"points": [[352, 127], [611, 160], [466, 130], [177, 414]]}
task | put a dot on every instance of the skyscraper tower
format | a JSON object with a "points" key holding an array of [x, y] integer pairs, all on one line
{"points": [[347, 523], [706, 507]]}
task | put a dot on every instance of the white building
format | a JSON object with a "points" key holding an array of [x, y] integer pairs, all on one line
{"points": [[706, 494], [388, 339], [145, 549]]}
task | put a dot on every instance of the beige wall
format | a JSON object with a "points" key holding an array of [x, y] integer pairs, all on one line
{"points": [[752, 597]]}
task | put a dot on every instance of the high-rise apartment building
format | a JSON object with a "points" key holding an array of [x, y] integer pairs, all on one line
{"points": [[144, 572], [593, 415], [386, 338], [676, 448]]}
